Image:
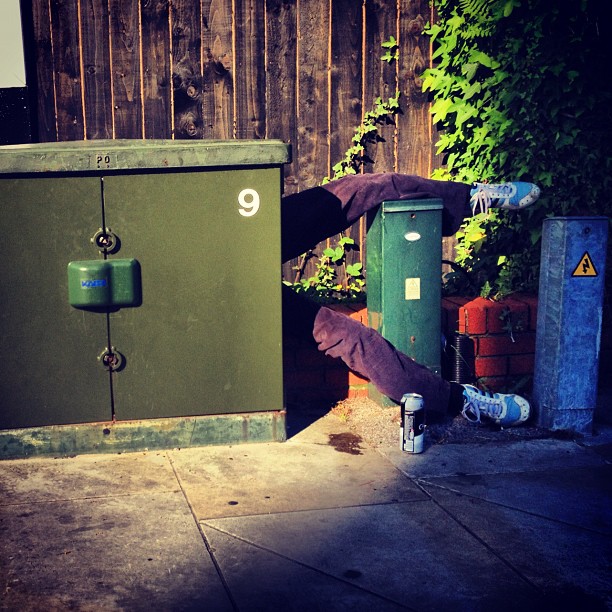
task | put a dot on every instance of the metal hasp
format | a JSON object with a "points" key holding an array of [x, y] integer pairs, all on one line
{"points": [[186, 285], [568, 333], [403, 266]]}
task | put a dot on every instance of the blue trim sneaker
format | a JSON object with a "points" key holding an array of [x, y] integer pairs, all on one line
{"points": [[509, 196], [505, 409]]}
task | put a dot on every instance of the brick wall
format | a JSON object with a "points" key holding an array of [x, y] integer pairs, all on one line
{"points": [[503, 334], [501, 359], [310, 375]]}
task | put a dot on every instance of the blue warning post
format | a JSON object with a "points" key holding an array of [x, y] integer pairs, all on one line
{"points": [[570, 309]]}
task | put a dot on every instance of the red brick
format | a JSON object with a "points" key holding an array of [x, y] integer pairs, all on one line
{"points": [[356, 379], [358, 392], [532, 304], [521, 364], [358, 312], [494, 313], [473, 317], [361, 315], [496, 384], [501, 344], [519, 313], [491, 366]]}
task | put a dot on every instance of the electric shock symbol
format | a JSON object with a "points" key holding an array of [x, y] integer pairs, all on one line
{"points": [[585, 267]]}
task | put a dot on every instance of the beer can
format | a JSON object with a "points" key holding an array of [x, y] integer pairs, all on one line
{"points": [[412, 429]]}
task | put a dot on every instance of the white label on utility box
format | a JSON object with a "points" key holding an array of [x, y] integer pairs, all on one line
{"points": [[413, 288]]}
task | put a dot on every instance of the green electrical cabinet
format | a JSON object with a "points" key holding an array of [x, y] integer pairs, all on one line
{"points": [[403, 264], [140, 280]]}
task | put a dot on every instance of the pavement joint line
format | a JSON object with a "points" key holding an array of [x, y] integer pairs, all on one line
{"points": [[209, 548], [85, 498], [310, 567], [515, 509], [317, 509], [474, 535]]}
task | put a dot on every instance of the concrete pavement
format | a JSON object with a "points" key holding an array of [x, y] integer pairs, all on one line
{"points": [[323, 522]]}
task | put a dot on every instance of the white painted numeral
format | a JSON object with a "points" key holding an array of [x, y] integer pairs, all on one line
{"points": [[248, 199]]}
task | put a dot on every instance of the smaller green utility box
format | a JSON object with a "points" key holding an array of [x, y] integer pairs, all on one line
{"points": [[403, 264]]}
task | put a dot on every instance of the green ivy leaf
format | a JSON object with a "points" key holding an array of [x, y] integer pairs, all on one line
{"points": [[354, 269], [441, 108]]}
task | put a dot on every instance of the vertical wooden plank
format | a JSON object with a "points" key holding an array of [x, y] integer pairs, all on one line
{"points": [[187, 68], [66, 59], [380, 78], [156, 59], [437, 158], [346, 92], [281, 84], [96, 69], [281, 91], [249, 69], [414, 142], [217, 85], [313, 91], [346, 75], [125, 47], [45, 84]]}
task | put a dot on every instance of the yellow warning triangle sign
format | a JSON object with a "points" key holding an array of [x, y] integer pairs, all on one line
{"points": [[585, 267]]}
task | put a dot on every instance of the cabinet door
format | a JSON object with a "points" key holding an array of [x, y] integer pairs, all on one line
{"points": [[49, 369], [207, 337]]}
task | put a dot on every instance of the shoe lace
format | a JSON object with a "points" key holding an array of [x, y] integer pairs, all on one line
{"points": [[483, 403], [480, 201], [485, 194]]}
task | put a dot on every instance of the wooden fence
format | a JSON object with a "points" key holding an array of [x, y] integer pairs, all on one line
{"points": [[303, 71]]}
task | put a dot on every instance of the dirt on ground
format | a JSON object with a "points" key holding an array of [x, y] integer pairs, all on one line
{"points": [[379, 426]]}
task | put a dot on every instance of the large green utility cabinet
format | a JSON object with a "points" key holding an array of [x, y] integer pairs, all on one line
{"points": [[140, 280], [403, 262]]}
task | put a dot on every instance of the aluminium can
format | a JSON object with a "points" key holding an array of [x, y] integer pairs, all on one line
{"points": [[412, 429]]}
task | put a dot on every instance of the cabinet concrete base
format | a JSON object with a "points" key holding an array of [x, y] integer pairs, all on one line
{"points": [[142, 435], [579, 420]]}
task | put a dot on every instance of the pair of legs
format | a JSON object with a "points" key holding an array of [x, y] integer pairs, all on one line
{"points": [[313, 215]]}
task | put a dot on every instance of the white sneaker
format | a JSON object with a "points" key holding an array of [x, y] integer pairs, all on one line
{"points": [[509, 196], [505, 409]]}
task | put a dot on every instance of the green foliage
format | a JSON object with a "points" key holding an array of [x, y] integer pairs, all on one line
{"points": [[366, 134], [392, 52], [519, 92], [323, 284]]}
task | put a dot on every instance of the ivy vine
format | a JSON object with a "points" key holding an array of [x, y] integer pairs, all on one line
{"points": [[518, 94], [323, 283], [383, 113]]}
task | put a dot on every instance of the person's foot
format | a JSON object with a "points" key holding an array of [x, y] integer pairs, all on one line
{"points": [[505, 409], [509, 196]]}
